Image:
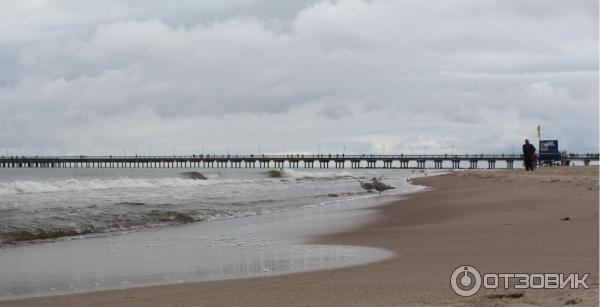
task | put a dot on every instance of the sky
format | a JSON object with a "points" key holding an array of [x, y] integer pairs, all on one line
{"points": [[269, 76]]}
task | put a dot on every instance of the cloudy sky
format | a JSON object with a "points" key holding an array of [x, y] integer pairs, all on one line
{"points": [[107, 77]]}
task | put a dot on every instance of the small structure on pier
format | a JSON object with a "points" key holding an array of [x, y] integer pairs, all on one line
{"points": [[549, 153]]}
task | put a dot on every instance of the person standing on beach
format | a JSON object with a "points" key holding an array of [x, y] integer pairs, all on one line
{"points": [[528, 155]]}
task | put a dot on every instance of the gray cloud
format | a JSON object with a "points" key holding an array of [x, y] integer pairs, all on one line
{"points": [[108, 75], [335, 112]]}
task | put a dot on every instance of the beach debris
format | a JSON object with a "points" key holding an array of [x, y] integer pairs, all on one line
{"points": [[573, 301], [565, 219], [509, 295]]}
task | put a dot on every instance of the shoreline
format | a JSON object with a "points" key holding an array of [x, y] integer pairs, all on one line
{"points": [[502, 221]]}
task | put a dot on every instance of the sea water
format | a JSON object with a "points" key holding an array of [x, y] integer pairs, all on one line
{"points": [[53, 203]]}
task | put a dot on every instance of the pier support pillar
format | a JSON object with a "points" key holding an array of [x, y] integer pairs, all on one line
{"points": [[404, 163], [509, 164], [455, 164], [472, 164]]}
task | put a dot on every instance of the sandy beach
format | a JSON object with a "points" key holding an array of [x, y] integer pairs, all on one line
{"points": [[502, 221]]}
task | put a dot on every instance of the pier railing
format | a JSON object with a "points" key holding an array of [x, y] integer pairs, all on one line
{"points": [[436, 161]]}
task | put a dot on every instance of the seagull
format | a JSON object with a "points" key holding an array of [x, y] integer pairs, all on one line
{"points": [[380, 186], [366, 185]]}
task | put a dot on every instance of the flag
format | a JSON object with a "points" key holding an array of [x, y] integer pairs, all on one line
{"points": [[539, 131]]}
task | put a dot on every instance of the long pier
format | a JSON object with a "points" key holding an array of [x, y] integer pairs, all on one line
{"points": [[401, 161]]}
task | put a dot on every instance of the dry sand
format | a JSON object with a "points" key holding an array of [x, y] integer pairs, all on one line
{"points": [[502, 221]]}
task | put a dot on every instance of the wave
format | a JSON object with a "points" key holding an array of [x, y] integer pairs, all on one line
{"points": [[193, 175], [41, 234], [73, 185], [105, 222], [184, 179], [117, 219], [295, 174]]}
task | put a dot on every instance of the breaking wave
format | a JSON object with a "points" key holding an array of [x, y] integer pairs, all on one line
{"points": [[124, 216], [86, 223], [71, 185], [185, 179]]}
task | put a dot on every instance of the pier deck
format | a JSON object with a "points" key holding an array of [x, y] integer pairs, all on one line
{"points": [[443, 161]]}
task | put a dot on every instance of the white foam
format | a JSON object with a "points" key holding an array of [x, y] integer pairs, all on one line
{"points": [[30, 186]]}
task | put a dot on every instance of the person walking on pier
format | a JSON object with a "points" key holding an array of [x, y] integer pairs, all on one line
{"points": [[528, 155]]}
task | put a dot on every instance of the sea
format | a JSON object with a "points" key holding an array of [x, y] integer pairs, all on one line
{"points": [[52, 204]]}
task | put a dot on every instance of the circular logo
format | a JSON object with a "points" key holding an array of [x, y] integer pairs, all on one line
{"points": [[465, 280]]}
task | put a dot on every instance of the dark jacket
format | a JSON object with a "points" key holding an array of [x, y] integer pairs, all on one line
{"points": [[528, 151]]}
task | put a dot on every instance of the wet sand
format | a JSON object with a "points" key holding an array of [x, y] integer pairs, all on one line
{"points": [[503, 221]]}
